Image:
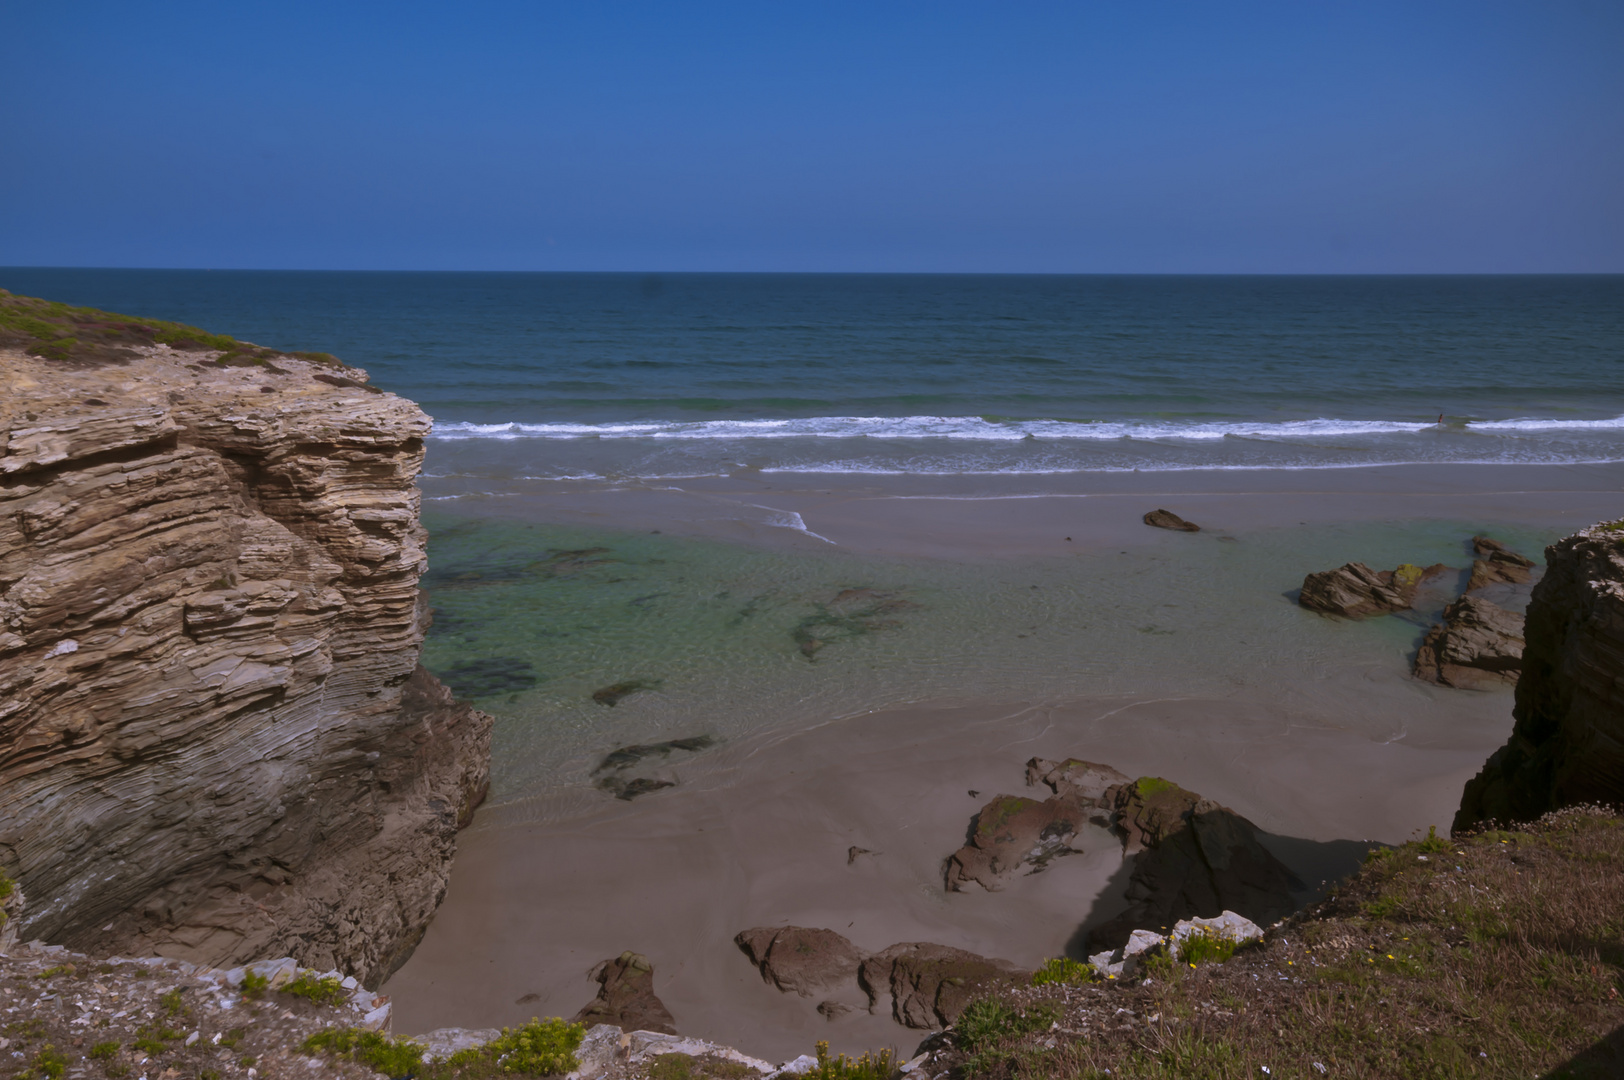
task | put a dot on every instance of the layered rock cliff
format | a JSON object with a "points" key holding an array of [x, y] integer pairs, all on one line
{"points": [[215, 741], [1568, 744]]}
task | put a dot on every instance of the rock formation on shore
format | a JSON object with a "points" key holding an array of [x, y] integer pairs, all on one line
{"points": [[1497, 563], [1010, 831], [1568, 743], [626, 997], [1355, 591], [215, 741], [1166, 519], [1478, 645]]}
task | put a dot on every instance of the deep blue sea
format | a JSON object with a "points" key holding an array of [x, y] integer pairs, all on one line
{"points": [[679, 375]]}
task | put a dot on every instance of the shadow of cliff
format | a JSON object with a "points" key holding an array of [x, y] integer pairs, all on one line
{"points": [[1319, 864], [1605, 1059]]}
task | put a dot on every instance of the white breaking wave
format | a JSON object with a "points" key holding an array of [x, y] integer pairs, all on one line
{"points": [[980, 429]]}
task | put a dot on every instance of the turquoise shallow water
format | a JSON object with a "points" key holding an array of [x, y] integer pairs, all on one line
{"points": [[723, 641]]}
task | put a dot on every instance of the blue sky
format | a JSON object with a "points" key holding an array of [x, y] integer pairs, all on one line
{"points": [[940, 136]]}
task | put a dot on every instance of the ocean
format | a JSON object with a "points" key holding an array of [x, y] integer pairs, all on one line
{"points": [[584, 638], [643, 376]]}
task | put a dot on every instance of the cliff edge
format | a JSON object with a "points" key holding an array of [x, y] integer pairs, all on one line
{"points": [[1568, 744], [216, 744]]}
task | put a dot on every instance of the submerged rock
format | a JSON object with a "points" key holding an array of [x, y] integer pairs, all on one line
{"points": [[618, 692], [626, 997], [628, 790], [626, 756], [1355, 591], [1166, 519], [1478, 645], [800, 960], [1497, 563]]}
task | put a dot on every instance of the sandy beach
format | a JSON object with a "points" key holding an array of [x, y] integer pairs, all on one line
{"points": [[757, 832]]}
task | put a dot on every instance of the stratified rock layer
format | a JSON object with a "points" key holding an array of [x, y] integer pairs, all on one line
{"points": [[1479, 645], [1355, 591], [1568, 743], [209, 745]]}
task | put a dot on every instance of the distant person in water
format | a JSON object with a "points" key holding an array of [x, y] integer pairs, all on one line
{"points": [[1440, 419]]}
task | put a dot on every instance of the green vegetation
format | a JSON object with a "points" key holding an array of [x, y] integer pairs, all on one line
{"points": [[172, 1003], [1153, 785], [57, 331], [254, 984], [539, 1048], [1498, 954], [705, 1067], [1207, 946], [323, 991], [395, 1058], [1063, 970], [47, 1063], [104, 1051], [53, 972], [881, 1066], [6, 887]]}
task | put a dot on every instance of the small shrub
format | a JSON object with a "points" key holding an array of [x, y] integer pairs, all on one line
{"points": [[392, 1057], [172, 1003], [1207, 946], [231, 1038], [540, 1048], [104, 1050], [1063, 970], [254, 984], [47, 1063], [881, 1066], [1432, 843], [328, 991], [53, 972], [678, 1066]]}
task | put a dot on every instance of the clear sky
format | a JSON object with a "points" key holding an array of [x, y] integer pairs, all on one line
{"points": [[1417, 136]]}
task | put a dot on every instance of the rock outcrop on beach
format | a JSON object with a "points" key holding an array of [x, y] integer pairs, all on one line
{"points": [[1355, 591], [1567, 747], [1192, 858], [215, 741], [1479, 645], [928, 984], [1497, 563], [1166, 519], [1011, 832], [626, 997]]}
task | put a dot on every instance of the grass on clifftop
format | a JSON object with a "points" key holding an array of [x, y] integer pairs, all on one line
{"points": [[539, 1048], [1498, 954], [86, 336]]}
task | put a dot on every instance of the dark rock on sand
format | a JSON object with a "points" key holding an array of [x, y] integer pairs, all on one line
{"points": [[800, 960], [1074, 778], [931, 984], [613, 695], [1010, 832], [1479, 645], [1192, 858], [1497, 563], [1166, 519], [1567, 746], [854, 851], [626, 997], [1355, 591]]}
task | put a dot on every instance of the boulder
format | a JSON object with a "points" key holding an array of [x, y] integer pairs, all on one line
{"points": [[1192, 856], [626, 997], [1166, 519], [931, 984], [1479, 645], [800, 960], [1227, 925], [1355, 591], [1497, 563], [1085, 781], [1124, 961], [1011, 832]]}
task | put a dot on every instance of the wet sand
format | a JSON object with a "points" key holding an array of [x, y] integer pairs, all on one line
{"points": [[757, 832]]}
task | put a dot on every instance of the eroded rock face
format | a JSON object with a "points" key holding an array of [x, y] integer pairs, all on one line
{"points": [[1355, 591], [1497, 563], [1194, 858], [626, 997], [1568, 743], [801, 960], [213, 745], [931, 984], [1479, 645]]}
